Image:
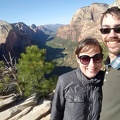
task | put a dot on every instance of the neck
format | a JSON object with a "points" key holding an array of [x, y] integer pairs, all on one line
{"points": [[112, 57]]}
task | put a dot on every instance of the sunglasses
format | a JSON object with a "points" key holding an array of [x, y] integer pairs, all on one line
{"points": [[85, 59], [107, 30]]}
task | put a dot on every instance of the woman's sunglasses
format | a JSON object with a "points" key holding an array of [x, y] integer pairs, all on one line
{"points": [[107, 30], [85, 59]]}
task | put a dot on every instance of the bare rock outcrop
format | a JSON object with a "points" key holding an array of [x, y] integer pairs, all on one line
{"points": [[33, 108], [84, 23], [12, 40], [15, 37], [116, 3]]}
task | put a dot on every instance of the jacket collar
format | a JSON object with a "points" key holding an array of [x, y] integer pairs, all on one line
{"points": [[86, 80]]}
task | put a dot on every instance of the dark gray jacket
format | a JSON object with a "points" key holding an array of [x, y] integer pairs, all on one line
{"points": [[77, 98]]}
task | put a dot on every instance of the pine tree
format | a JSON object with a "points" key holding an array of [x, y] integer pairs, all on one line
{"points": [[32, 69]]}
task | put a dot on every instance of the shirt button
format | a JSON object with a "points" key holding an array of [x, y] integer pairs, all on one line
{"points": [[106, 72]]}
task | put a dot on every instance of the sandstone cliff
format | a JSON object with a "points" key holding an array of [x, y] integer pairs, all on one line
{"points": [[116, 3], [12, 40], [85, 22]]}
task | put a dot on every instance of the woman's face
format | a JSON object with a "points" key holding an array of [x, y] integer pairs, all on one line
{"points": [[91, 69]]}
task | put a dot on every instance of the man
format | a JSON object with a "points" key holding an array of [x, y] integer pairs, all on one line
{"points": [[110, 29]]}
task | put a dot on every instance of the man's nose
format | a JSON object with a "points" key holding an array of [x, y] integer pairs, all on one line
{"points": [[112, 33]]}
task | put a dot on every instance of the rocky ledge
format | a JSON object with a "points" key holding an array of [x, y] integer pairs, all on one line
{"points": [[33, 108]]}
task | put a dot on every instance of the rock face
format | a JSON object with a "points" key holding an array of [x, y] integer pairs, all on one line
{"points": [[12, 40], [116, 3], [84, 23]]}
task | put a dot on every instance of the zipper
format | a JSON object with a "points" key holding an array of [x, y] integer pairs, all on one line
{"points": [[90, 99]]}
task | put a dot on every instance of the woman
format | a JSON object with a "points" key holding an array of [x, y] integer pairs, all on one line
{"points": [[78, 94]]}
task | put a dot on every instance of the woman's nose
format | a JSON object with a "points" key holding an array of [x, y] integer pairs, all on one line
{"points": [[92, 63]]}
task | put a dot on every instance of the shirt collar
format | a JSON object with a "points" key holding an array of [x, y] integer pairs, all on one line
{"points": [[115, 63]]}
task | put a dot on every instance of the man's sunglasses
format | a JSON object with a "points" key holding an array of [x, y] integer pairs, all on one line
{"points": [[85, 59], [107, 30]]}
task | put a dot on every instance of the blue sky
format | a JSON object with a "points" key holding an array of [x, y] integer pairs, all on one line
{"points": [[42, 12]]}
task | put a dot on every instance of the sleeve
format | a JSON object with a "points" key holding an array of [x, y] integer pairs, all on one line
{"points": [[58, 102]]}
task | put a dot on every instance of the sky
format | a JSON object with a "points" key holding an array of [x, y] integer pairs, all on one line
{"points": [[43, 12]]}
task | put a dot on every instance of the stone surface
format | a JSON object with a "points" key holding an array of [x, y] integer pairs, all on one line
{"points": [[33, 108]]}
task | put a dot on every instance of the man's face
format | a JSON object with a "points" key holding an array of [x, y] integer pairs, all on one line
{"points": [[111, 39]]}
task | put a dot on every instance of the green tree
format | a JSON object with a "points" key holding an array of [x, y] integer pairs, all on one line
{"points": [[32, 69]]}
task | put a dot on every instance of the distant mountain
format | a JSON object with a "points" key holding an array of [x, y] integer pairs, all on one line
{"points": [[46, 30], [52, 27], [49, 29], [15, 37]]}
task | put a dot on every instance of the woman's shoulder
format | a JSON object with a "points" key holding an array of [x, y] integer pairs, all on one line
{"points": [[69, 74]]}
